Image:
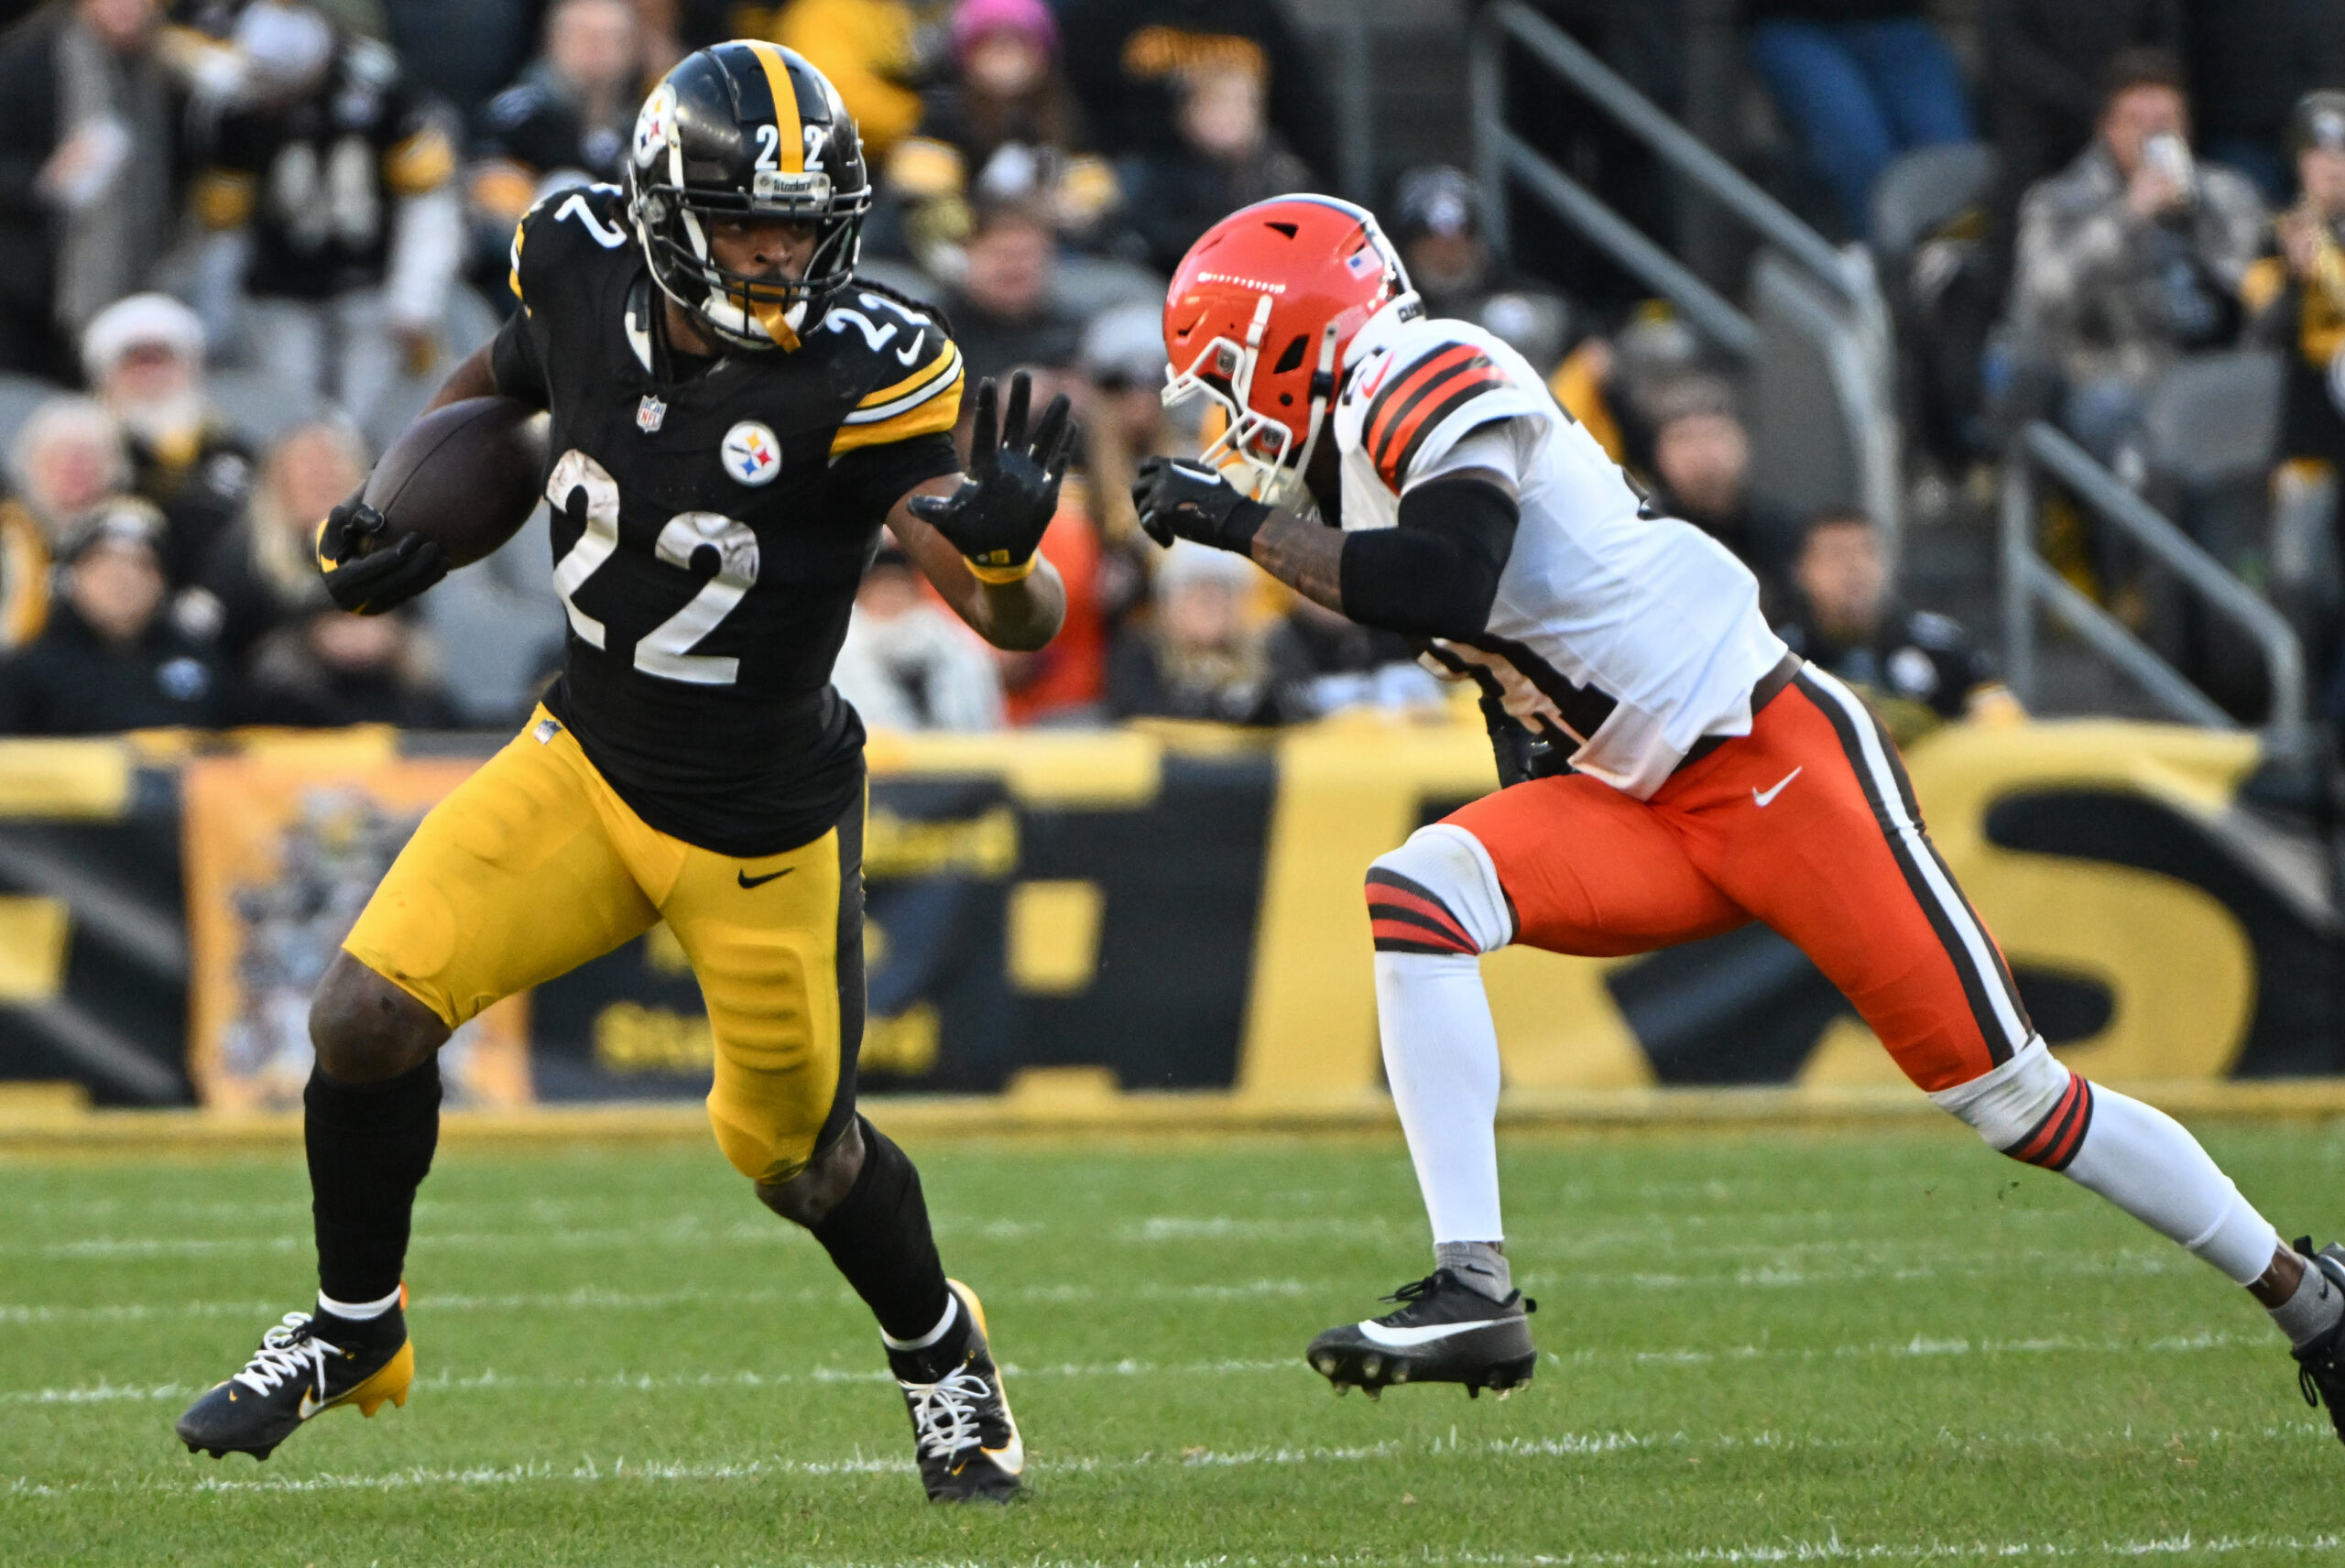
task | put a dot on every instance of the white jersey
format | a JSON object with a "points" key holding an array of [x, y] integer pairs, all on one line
{"points": [[1626, 637]]}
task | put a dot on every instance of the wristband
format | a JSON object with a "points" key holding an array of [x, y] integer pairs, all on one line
{"points": [[997, 575]]}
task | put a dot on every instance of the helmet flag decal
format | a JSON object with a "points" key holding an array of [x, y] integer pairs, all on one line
{"points": [[1286, 277]]}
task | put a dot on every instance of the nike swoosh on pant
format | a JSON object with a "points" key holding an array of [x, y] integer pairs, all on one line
{"points": [[1400, 1338], [747, 880], [1768, 799]]}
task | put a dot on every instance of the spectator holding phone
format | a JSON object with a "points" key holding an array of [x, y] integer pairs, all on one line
{"points": [[2131, 257]]}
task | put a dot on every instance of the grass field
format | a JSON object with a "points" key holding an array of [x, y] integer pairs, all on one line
{"points": [[1758, 1347]]}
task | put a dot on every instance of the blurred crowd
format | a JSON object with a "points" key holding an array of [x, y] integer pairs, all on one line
{"points": [[240, 240], [2115, 215]]}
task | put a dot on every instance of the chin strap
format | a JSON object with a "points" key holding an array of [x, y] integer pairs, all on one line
{"points": [[1323, 394]]}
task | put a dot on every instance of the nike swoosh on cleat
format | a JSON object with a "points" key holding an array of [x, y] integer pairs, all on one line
{"points": [[1400, 1338], [747, 880], [1768, 799], [1012, 1458], [310, 1405]]}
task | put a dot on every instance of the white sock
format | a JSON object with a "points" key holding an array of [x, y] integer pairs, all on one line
{"points": [[2313, 1309], [2136, 1156], [357, 1312], [1437, 906], [1441, 1058]]}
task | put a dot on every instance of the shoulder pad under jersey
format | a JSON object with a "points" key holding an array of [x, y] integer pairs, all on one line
{"points": [[564, 229], [899, 359], [1425, 385]]}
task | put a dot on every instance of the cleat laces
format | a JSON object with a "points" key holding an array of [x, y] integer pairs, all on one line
{"points": [[944, 1414], [1416, 1289], [288, 1350]]}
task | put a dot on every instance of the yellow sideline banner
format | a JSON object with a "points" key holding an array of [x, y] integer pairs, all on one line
{"points": [[2178, 965], [1165, 908]]}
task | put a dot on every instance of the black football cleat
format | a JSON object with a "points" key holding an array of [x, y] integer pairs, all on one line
{"points": [[1445, 1331], [296, 1375], [2321, 1366], [963, 1433]]}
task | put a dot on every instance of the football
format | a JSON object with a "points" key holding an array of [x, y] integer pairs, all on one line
{"points": [[467, 475]]}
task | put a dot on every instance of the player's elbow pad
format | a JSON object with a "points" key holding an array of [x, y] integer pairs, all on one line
{"points": [[1437, 573]]}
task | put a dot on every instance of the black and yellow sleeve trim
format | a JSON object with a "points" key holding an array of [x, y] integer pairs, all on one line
{"points": [[925, 402]]}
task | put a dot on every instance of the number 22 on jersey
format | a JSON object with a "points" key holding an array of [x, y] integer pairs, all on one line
{"points": [[666, 649]]}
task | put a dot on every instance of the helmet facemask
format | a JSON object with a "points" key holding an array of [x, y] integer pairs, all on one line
{"points": [[751, 312], [1253, 448]]}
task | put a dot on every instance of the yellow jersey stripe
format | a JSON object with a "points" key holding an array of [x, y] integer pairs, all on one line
{"points": [[943, 364], [791, 145], [932, 416]]}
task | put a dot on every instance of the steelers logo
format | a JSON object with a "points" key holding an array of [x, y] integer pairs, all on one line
{"points": [[752, 455], [655, 127]]}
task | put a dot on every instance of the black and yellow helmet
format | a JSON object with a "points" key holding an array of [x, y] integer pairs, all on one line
{"points": [[747, 128]]}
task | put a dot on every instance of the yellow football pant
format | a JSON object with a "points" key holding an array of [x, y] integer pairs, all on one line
{"points": [[534, 864]]}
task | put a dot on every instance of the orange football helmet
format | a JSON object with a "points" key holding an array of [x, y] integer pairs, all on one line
{"points": [[1292, 278]]}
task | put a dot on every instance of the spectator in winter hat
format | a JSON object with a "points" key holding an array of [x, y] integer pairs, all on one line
{"points": [[1003, 127], [143, 355]]}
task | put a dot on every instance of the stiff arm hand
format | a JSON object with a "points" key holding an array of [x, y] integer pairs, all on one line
{"points": [[1010, 488]]}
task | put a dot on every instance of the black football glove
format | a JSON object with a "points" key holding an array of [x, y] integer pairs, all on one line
{"points": [[1178, 498], [384, 578], [1011, 487]]}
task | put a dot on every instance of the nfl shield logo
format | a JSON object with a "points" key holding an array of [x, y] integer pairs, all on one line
{"points": [[752, 455], [649, 414]]}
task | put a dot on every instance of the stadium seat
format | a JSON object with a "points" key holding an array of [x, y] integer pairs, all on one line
{"points": [[1925, 189], [260, 408], [2215, 418], [19, 395]]}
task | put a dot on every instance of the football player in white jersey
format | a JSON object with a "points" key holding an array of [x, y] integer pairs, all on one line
{"points": [[1671, 771]]}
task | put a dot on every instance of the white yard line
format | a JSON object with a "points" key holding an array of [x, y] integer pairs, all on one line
{"points": [[647, 1382], [591, 1299], [591, 1470], [492, 1382]]}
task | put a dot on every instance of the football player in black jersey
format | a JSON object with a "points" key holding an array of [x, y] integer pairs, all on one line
{"points": [[733, 415]]}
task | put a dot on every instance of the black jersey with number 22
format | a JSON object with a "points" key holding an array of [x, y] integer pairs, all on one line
{"points": [[709, 529]]}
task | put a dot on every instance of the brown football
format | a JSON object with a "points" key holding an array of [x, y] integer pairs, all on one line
{"points": [[467, 475]]}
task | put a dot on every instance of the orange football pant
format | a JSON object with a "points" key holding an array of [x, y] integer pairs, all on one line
{"points": [[1808, 824]]}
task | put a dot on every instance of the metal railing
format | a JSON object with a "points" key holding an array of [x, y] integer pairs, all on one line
{"points": [[2030, 583], [1840, 310]]}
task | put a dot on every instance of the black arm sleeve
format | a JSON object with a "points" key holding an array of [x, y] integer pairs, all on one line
{"points": [[513, 360], [1436, 573]]}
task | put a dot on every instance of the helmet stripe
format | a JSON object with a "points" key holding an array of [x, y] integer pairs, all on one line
{"points": [[792, 147]]}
